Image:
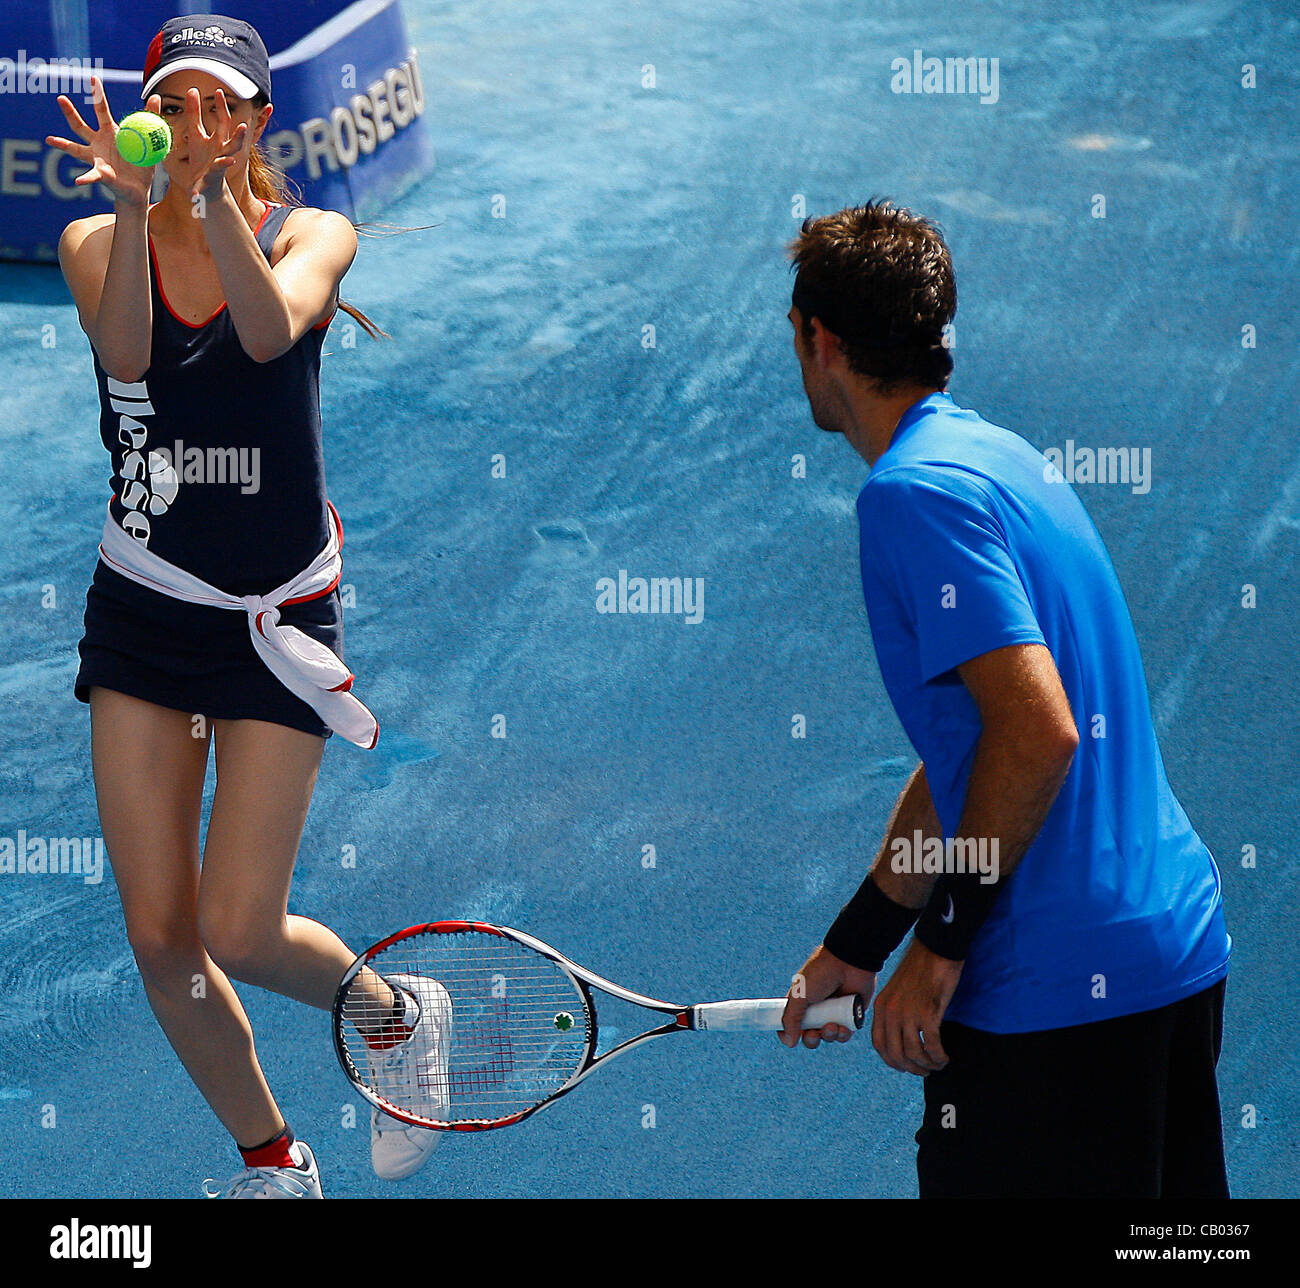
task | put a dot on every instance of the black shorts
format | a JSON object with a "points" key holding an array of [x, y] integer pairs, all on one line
{"points": [[193, 657], [1122, 1108]]}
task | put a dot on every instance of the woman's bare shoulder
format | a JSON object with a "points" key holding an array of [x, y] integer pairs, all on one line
{"points": [[84, 248], [313, 222], [79, 231], [312, 227]]}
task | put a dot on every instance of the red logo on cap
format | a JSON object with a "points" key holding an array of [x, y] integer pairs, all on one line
{"points": [[154, 56]]}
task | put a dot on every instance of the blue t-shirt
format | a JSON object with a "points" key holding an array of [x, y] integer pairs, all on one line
{"points": [[967, 546]]}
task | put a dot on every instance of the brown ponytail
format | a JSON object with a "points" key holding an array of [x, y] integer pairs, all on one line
{"points": [[267, 182]]}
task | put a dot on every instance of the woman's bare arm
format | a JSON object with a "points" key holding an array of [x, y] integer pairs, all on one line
{"points": [[271, 308], [105, 258], [105, 261]]}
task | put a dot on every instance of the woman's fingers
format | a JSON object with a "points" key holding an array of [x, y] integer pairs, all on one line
{"points": [[86, 155], [194, 113], [97, 172], [100, 99], [223, 113], [79, 150], [77, 125], [231, 153], [236, 144]]}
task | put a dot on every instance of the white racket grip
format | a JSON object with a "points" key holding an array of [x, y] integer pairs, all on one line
{"points": [[765, 1014]]}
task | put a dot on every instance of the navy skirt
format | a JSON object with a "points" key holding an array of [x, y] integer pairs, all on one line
{"points": [[192, 657]]}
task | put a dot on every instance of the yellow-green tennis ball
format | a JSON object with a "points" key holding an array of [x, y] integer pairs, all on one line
{"points": [[143, 138]]}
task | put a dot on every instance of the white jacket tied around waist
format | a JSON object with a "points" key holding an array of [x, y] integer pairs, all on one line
{"points": [[303, 665]]}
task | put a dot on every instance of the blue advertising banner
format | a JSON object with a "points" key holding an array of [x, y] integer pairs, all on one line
{"points": [[349, 102]]}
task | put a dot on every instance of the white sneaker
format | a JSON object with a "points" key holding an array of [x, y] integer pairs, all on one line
{"points": [[276, 1182], [417, 1070]]}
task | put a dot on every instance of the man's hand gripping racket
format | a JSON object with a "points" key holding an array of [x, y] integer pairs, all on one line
{"points": [[823, 976]]}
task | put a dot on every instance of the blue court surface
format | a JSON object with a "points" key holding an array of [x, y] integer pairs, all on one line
{"points": [[624, 207]]}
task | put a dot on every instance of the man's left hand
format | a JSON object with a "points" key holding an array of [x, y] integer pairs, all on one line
{"points": [[905, 1023]]}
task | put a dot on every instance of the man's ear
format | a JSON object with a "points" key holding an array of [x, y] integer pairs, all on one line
{"points": [[825, 345]]}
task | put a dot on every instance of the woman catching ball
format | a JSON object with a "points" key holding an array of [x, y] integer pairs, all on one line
{"points": [[214, 613]]}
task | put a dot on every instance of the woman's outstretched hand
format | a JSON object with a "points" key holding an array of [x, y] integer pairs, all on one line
{"points": [[211, 155], [127, 184]]}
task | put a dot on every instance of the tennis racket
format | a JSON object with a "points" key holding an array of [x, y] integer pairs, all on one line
{"points": [[506, 1024]]}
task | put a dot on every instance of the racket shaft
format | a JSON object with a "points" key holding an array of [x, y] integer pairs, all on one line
{"points": [[765, 1014]]}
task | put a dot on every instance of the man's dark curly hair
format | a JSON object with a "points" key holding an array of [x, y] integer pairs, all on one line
{"points": [[880, 279]]}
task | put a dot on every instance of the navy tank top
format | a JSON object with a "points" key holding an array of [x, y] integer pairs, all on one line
{"points": [[217, 460]]}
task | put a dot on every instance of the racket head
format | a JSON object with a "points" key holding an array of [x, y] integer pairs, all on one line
{"points": [[505, 1026]]}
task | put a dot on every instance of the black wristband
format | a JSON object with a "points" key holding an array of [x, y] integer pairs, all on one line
{"points": [[959, 905], [870, 926]]}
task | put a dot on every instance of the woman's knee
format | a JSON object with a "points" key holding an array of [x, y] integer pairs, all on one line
{"points": [[168, 953], [244, 947]]}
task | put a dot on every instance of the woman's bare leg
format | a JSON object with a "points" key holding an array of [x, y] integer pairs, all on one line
{"points": [[149, 770], [265, 776]]}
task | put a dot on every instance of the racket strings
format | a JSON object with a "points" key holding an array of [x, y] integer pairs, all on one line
{"points": [[501, 1028]]}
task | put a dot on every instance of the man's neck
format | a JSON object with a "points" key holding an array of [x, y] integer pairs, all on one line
{"points": [[874, 418]]}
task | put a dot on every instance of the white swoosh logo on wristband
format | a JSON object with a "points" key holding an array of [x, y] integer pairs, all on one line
{"points": [[950, 914]]}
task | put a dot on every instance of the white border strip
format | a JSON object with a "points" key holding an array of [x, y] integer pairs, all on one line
{"points": [[330, 33]]}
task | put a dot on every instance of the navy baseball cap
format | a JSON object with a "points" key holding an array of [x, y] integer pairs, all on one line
{"points": [[224, 47]]}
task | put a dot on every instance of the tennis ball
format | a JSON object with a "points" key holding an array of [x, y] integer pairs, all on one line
{"points": [[143, 139]]}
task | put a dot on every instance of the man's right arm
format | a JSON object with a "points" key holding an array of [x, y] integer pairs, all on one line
{"points": [[874, 922], [913, 812]]}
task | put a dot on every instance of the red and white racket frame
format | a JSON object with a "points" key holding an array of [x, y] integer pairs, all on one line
{"points": [[749, 1014]]}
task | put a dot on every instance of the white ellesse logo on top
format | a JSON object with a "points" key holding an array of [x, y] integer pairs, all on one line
{"points": [[149, 483], [208, 36]]}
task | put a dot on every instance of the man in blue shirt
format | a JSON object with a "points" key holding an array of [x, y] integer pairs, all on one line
{"points": [[1063, 992]]}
